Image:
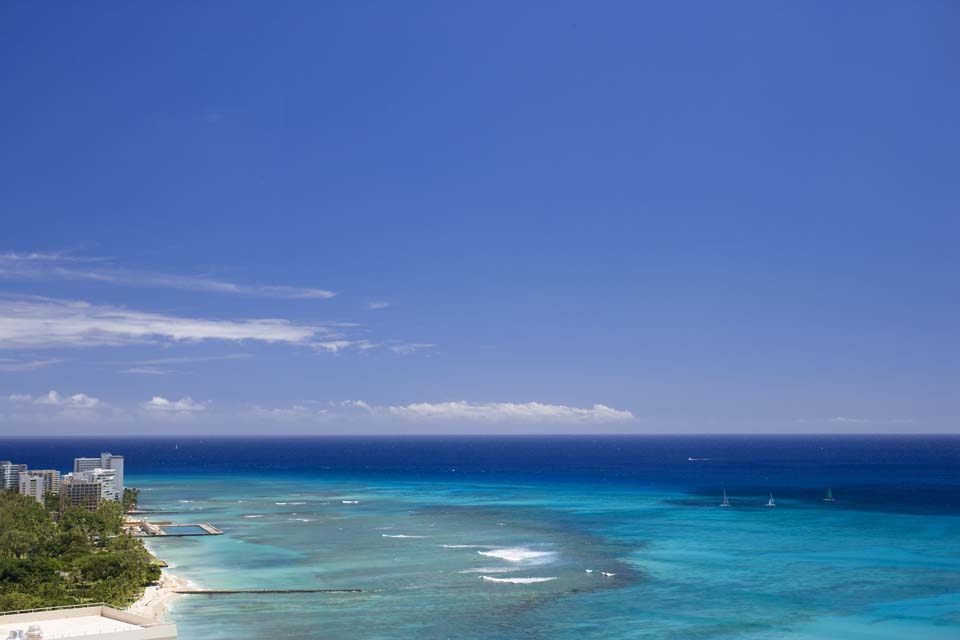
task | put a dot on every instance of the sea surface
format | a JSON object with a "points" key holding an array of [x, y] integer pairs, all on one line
{"points": [[570, 537]]}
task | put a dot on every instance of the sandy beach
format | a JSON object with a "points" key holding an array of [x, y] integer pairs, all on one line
{"points": [[156, 600]]}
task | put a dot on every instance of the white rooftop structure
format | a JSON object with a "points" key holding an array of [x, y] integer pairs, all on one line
{"points": [[95, 622]]}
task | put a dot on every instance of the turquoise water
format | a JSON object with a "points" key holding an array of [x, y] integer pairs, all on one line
{"points": [[680, 568], [566, 538], [184, 530]]}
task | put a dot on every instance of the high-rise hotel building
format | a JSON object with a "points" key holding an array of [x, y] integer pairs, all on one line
{"points": [[39, 482], [31, 485], [81, 489], [10, 475], [106, 461]]}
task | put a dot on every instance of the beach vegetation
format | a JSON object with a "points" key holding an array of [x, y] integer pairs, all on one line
{"points": [[82, 557]]}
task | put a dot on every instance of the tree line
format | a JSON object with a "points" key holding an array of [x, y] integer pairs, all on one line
{"points": [[80, 557]]}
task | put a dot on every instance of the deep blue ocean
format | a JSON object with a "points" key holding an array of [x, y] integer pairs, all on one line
{"points": [[553, 537]]}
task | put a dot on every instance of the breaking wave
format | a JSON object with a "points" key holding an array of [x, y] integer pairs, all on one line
{"points": [[519, 554], [517, 580]]}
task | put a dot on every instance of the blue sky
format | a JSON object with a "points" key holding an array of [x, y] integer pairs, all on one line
{"points": [[376, 217]]}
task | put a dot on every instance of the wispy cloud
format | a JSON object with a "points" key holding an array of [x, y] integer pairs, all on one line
{"points": [[158, 366], [194, 359], [292, 413], [494, 411], [499, 412], [374, 306], [44, 322], [54, 399], [150, 371], [57, 266], [406, 348], [11, 365], [333, 346], [185, 405], [56, 408]]}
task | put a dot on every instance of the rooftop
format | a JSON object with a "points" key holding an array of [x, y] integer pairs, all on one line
{"points": [[88, 622]]}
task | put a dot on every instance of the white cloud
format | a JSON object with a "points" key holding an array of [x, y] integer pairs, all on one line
{"points": [[44, 322], [500, 412], [149, 371], [374, 306], [333, 346], [54, 399], [336, 346], [17, 366], [184, 405], [292, 413], [150, 366], [354, 404], [194, 359], [56, 266], [406, 348], [844, 419], [495, 411], [12, 257]]}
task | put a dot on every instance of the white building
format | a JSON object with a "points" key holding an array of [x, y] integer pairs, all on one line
{"points": [[51, 479], [10, 475], [106, 478], [31, 485], [97, 622], [106, 461], [80, 490]]}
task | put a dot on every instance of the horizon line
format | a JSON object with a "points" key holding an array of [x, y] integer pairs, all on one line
{"points": [[274, 436]]}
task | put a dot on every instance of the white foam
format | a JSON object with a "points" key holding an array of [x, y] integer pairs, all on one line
{"points": [[350, 501], [184, 500], [300, 519], [589, 570], [517, 580], [281, 503], [489, 570], [465, 546], [399, 535], [519, 554], [608, 574], [253, 516]]}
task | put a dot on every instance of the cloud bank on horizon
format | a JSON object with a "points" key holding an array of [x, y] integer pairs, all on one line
{"points": [[33, 323], [53, 406]]}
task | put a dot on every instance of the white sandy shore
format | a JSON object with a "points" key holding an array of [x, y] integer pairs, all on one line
{"points": [[156, 600]]}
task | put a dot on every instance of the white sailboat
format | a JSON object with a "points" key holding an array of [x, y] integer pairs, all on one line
{"points": [[770, 502], [725, 502]]}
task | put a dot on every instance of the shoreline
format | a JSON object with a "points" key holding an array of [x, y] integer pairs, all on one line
{"points": [[157, 599]]}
